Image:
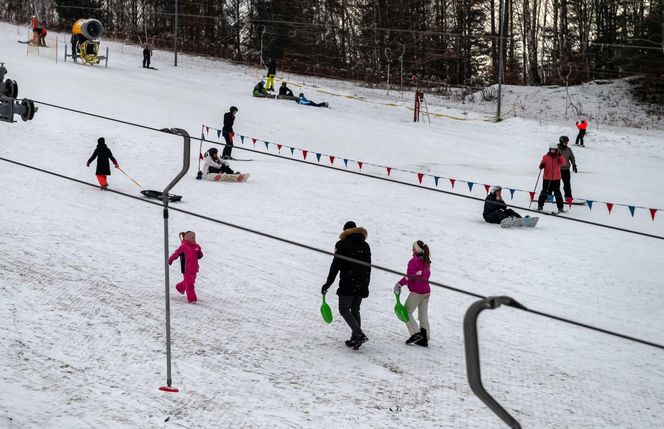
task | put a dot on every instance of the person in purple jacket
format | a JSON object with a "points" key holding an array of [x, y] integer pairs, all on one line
{"points": [[418, 285], [189, 253]]}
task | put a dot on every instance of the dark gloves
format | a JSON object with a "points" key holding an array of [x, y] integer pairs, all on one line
{"points": [[87, 164], [541, 166], [574, 168], [324, 289]]}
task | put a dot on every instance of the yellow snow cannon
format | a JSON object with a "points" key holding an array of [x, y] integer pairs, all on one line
{"points": [[85, 41]]}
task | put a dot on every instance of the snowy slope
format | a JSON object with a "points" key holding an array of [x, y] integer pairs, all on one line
{"points": [[81, 276]]}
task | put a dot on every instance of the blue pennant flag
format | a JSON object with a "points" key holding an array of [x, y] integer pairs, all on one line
{"points": [[590, 204], [267, 145], [292, 151], [511, 194], [218, 133], [631, 209], [242, 139], [202, 136], [318, 157], [470, 186], [346, 162], [436, 179]]}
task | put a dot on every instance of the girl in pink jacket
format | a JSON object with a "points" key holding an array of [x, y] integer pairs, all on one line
{"points": [[418, 284], [189, 252]]}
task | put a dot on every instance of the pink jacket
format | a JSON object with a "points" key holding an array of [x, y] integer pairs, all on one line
{"points": [[552, 166], [419, 273], [192, 253]]}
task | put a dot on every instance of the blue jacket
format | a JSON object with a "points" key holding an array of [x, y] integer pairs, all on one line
{"points": [[303, 100]]}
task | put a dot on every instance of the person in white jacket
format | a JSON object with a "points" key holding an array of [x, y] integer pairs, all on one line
{"points": [[214, 164]]}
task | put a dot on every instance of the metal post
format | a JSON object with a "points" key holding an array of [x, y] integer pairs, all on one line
{"points": [[473, 353], [175, 41], [185, 167], [500, 56]]}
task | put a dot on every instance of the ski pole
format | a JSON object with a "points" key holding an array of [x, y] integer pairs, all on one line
{"points": [[199, 175], [535, 189], [123, 172]]}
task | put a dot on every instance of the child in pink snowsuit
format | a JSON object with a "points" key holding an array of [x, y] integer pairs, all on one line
{"points": [[189, 252]]}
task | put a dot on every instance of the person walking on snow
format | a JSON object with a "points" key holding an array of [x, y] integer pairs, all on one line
{"points": [[102, 153], [213, 164], [189, 252], [495, 208], [417, 279], [564, 170], [227, 132], [271, 73], [353, 278], [582, 131], [147, 53], [551, 163]]}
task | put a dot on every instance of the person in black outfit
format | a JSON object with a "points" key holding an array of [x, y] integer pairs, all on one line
{"points": [[353, 278], [495, 208], [147, 53], [227, 132], [103, 154], [285, 90]]}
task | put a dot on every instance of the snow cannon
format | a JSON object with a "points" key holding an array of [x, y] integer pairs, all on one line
{"points": [[90, 29], [85, 34]]}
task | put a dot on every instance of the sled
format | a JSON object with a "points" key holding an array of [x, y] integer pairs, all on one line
{"points": [[400, 310], [222, 177], [157, 195], [516, 222], [326, 311], [287, 97]]}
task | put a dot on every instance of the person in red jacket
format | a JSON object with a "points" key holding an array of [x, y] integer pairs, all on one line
{"points": [[582, 131], [551, 163]]}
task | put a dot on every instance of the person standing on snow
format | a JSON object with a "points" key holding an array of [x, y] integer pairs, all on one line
{"points": [[353, 278], [271, 73], [227, 132], [213, 164], [564, 170], [103, 154], [417, 279], [582, 131], [495, 208], [551, 163], [147, 53], [189, 252]]}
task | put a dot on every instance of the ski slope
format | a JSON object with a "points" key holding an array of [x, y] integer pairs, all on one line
{"points": [[81, 271]]}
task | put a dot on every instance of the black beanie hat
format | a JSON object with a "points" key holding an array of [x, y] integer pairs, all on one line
{"points": [[101, 140], [350, 224]]}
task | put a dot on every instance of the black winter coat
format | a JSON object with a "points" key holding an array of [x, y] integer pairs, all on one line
{"points": [[284, 90], [103, 154], [229, 120], [353, 278], [491, 205], [272, 67]]}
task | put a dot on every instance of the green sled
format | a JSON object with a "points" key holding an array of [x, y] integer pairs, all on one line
{"points": [[326, 311], [401, 310]]}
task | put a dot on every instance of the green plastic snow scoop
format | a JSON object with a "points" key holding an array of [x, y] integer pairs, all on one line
{"points": [[400, 309], [326, 311]]}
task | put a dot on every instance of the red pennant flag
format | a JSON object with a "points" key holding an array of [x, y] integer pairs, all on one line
{"points": [[532, 196], [486, 188], [569, 201], [609, 206], [452, 182], [652, 213], [389, 170], [304, 153], [331, 159], [254, 141], [279, 147], [207, 130], [200, 156], [419, 177], [359, 164]]}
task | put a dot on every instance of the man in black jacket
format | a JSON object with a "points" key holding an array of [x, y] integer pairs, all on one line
{"points": [[495, 209], [353, 278], [227, 132]]}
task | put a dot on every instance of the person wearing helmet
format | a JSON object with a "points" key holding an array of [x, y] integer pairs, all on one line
{"points": [[214, 164], [227, 132], [564, 170], [551, 164], [301, 99], [495, 208], [260, 91]]}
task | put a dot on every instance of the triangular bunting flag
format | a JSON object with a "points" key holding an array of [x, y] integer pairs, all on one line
{"points": [[292, 150], [359, 164], [435, 180], [452, 182], [318, 156], [200, 156], [569, 200], [486, 188], [609, 206], [304, 153], [207, 130], [511, 194], [419, 177], [242, 139], [532, 196], [331, 159], [267, 145], [631, 209], [652, 213], [218, 134], [389, 170], [254, 141], [345, 162], [470, 186], [279, 146], [590, 204]]}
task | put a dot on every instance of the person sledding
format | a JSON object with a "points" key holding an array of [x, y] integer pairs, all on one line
{"points": [[189, 253], [551, 163], [301, 99], [260, 91], [495, 208], [103, 154], [213, 164]]}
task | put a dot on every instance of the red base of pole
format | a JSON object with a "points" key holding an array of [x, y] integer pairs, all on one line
{"points": [[168, 389]]}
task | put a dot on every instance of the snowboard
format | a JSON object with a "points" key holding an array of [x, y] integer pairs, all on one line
{"points": [[515, 222], [575, 202], [286, 97], [221, 177], [157, 195]]}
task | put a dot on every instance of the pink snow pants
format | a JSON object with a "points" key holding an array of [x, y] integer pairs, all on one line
{"points": [[188, 285]]}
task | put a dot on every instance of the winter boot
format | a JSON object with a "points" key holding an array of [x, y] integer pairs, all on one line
{"points": [[414, 338], [424, 341]]}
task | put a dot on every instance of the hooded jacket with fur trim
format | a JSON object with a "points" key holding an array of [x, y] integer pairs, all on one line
{"points": [[353, 278]]}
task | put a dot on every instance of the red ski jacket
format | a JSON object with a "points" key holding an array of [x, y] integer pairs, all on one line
{"points": [[582, 125], [552, 164]]}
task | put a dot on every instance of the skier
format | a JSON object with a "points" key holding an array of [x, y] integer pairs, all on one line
{"points": [[189, 252], [103, 154], [271, 73], [418, 285], [260, 91], [582, 131], [564, 170], [495, 208], [301, 99], [551, 163], [227, 132], [214, 164], [42, 35], [353, 278], [147, 53], [74, 46], [285, 91]]}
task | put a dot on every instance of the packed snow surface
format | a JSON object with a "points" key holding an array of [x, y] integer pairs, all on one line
{"points": [[82, 277]]}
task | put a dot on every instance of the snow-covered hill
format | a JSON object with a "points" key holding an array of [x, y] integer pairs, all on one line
{"points": [[81, 274]]}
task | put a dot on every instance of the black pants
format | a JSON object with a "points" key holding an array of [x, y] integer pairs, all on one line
{"points": [[580, 137], [223, 169], [548, 187], [349, 308], [229, 145], [146, 62], [567, 184], [499, 215]]}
